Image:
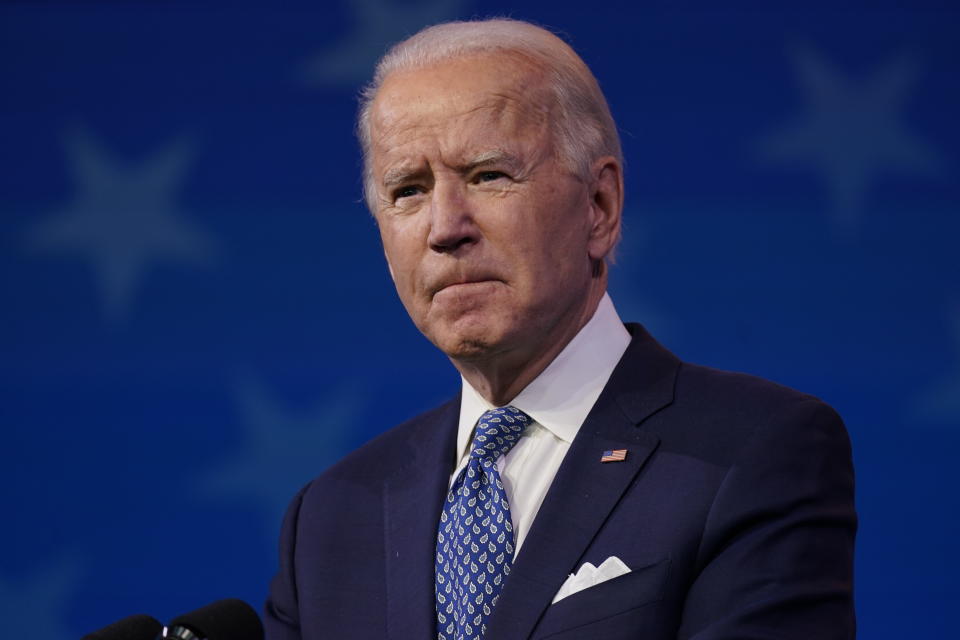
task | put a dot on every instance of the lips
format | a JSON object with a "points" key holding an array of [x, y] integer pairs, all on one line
{"points": [[462, 280]]}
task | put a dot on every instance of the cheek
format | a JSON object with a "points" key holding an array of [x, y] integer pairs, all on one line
{"points": [[396, 240], [402, 259], [553, 240]]}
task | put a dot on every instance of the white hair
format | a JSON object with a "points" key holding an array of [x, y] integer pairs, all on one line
{"points": [[584, 129]]}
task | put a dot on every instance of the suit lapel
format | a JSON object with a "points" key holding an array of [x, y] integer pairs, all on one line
{"points": [[412, 499], [585, 491]]}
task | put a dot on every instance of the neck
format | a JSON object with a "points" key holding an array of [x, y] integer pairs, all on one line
{"points": [[501, 377]]}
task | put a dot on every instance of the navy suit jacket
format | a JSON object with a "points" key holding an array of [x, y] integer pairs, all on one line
{"points": [[733, 509]]}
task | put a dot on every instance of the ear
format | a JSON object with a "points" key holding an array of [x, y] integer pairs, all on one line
{"points": [[606, 206]]}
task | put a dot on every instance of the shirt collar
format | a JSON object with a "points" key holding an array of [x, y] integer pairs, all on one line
{"points": [[562, 395]]}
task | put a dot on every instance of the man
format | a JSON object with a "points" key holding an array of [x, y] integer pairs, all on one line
{"points": [[715, 505]]}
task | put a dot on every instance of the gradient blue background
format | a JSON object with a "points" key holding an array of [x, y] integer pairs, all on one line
{"points": [[196, 318]]}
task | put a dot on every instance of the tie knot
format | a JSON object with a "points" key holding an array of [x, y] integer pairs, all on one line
{"points": [[497, 431]]}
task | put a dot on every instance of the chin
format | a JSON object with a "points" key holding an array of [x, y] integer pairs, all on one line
{"points": [[469, 343], [466, 348], [464, 335]]}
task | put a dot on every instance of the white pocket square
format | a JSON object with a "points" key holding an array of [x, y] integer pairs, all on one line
{"points": [[589, 575]]}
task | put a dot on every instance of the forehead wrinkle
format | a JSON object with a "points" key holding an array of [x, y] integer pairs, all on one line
{"points": [[462, 158], [522, 97], [513, 110], [514, 104], [513, 107], [519, 99]]}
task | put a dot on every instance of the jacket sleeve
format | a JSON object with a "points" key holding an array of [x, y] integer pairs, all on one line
{"points": [[776, 556], [281, 618]]}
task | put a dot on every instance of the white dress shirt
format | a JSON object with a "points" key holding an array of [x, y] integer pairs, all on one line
{"points": [[558, 401]]}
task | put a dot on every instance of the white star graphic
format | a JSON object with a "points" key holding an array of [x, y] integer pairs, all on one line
{"points": [[940, 403], [35, 606], [851, 133], [123, 219], [377, 24], [281, 449]]}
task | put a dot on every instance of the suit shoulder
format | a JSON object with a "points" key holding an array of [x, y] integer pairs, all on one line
{"points": [[717, 413], [717, 389]]}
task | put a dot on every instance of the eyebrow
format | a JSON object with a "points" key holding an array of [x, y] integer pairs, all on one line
{"points": [[402, 174], [399, 175], [486, 158]]}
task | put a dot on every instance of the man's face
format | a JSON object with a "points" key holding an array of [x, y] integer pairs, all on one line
{"points": [[486, 232]]}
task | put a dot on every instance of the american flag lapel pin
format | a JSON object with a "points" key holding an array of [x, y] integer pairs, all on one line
{"points": [[616, 455]]}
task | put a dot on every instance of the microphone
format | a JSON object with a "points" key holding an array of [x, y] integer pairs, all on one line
{"points": [[138, 627], [229, 619]]}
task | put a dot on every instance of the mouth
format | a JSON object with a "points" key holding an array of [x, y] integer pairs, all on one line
{"points": [[463, 284]]}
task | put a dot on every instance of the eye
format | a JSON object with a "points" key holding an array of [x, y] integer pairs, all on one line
{"points": [[489, 176], [406, 192]]}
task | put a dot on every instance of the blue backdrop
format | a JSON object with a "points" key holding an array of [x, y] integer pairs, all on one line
{"points": [[196, 318]]}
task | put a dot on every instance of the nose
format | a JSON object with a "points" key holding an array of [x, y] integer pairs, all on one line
{"points": [[452, 225]]}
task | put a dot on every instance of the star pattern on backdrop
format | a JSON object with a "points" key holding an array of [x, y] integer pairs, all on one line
{"points": [[40, 601], [852, 133], [123, 220], [940, 402], [281, 449], [376, 25]]}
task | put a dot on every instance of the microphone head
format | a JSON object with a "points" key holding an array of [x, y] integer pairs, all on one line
{"points": [[229, 619], [138, 627]]}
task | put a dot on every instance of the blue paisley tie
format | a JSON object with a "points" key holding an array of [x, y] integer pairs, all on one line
{"points": [[475, 540]]}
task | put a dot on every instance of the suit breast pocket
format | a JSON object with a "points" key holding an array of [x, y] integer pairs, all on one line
{"points": [[642, 586]]}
